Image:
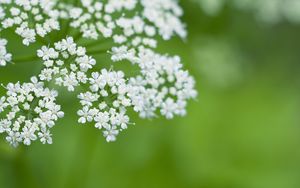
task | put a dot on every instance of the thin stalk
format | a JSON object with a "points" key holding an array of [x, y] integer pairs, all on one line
{"points": [[95, 43], [77, 36], [25, 59], [97, 52], [21, 167], [67, 26]]}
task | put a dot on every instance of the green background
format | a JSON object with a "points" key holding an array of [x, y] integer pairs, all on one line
{"points": [[241, 132]]}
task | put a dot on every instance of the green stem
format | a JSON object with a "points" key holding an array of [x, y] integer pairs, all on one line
{"points": [[95, 43], [67, 26], [98, 52], [25, 59], [21, 167], [77, 36]]}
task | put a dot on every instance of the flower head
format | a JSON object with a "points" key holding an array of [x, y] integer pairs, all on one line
{"points": [[106, 103], [162, 85], [30, 18], [5, 57], [133, 27], [28, 112], [66, 63]]}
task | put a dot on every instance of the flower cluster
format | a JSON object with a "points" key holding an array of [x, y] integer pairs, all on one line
{"points": [[28, 112], [159, 86], [165, 16], [84, 18], [93, 19], [4, 56], [163, 85], [106, 103], [66, 63], [29, 18]]}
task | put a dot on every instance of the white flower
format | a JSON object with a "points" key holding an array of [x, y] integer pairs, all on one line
{"points": [[110, 133], [66, 62], [4, 56], [164, 15], [28, 135], [102, 119], [160, 84], [86, 63], [14, 138], [3, 104], [37, 115], [149, 92], [45, 136], [151, 18], [168, 108], [108, 101], [47, 53], [29, 17], [86, 115]]}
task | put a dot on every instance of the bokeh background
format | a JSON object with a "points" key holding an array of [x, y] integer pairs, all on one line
{"points": [[242, 131]]}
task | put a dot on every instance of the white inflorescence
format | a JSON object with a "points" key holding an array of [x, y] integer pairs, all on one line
{"points": [[66, 63], [165, 16], [29, 18], [28, 112], [4, 56], [163, 85], [156, 17], [160, 86], [106, 103]]}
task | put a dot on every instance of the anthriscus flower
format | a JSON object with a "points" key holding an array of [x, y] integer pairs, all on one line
{"points": [[106, 103], [66, 63], [29, 18], [160, 86], [5, 57], [28, 112]]}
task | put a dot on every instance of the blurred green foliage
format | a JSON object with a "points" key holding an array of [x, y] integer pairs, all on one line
{"points": [[242, 133]]}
